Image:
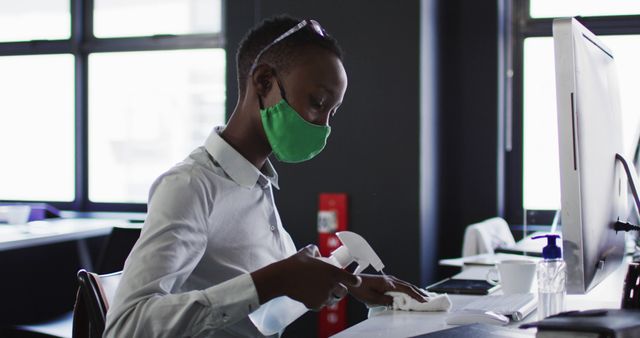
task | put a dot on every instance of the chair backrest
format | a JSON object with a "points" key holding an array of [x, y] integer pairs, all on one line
{"points": [[486, 236], [117, 248], [95, 292]]}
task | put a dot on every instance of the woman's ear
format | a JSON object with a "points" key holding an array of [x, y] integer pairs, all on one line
{"points": [[262, 79]]}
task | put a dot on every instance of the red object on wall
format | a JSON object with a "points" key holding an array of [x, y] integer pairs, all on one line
{"points": [[332, 217]]}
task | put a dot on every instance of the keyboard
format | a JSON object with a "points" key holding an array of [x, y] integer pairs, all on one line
{"points": [[516, 306]]}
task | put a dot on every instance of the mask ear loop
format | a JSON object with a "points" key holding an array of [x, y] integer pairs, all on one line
{"points": [[260, 103], [284, 96], [282, 93]]}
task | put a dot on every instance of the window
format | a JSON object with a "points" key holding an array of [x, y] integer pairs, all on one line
{"points": [[26, 20], [37, 135], [168, 102], [98, 102], [537, 187], [121, 18], [585, 8]]}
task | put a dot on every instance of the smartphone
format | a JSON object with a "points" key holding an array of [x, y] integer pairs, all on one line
{"points": [[463, 286]]}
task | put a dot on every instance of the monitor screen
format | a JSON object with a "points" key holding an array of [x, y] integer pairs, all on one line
{"points": [[593, 185]]}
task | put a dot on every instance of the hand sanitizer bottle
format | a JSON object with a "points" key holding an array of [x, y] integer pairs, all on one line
{"points": [[552, 274]]}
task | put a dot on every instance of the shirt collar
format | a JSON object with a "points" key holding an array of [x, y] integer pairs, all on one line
{"points": [[238, 168]]}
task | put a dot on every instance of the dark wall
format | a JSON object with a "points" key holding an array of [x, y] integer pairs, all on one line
{"points": [[373, 152], [468, 57]]}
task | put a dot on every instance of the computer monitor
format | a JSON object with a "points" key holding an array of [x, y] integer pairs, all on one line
{"points": [[593, 183]]}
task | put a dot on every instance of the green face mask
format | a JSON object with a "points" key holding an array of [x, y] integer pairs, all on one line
{"points": [[292, 138]]}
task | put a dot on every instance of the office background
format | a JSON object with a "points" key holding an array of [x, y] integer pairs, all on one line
{"points": [[409, 195], [418, 144]]}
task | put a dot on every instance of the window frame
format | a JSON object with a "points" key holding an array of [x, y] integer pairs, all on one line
{"points": [[523, 26], [80, 44]]}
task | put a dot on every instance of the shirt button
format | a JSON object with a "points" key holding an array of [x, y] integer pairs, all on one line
{"points": [[273, 228]]}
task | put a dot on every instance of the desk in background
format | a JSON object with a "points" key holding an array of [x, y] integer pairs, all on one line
{"points": [[39, 262], [53, 231], [391, 324]]}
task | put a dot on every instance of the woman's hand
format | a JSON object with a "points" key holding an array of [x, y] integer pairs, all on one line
{"points": [[304, 278], [373, 288]]}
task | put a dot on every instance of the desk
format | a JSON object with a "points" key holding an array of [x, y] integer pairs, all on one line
{"points": [[58, 230], [390, 324], [54, 231]]}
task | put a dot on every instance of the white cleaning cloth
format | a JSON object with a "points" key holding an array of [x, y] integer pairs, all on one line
{"points": [[435, 302]]}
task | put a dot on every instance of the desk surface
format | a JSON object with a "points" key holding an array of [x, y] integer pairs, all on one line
{"points": [[390, 324], [54, 231], [483, 259]]}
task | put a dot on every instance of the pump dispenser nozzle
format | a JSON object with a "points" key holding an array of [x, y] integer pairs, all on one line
{"points": [[551, 251], [355, 249]]}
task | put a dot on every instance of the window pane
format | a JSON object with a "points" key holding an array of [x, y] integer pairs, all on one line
{"points": [[541, 182], [541, 178], [565, 8], [148, 111], [120, 18], [26, 20], [37, 128]]}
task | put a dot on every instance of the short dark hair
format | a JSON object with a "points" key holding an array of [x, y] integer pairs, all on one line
{"points": [[281, 55]]}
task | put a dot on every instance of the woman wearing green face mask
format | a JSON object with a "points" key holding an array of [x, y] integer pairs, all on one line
{"points": [[293, 127], [213, 247]]}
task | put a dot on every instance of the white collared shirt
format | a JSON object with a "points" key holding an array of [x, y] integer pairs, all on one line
{"points": [[211, 221]]}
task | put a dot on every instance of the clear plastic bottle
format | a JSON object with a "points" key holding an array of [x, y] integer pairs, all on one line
{"points": [[552, 275], [275, 315]]}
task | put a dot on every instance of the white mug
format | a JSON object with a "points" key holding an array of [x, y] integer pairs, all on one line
{"points": [[515, 276]]}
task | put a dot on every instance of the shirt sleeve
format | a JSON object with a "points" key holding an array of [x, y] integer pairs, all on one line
{"points": [[173, 240]]}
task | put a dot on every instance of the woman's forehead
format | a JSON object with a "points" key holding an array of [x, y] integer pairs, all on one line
{"points": [[324, 70]]}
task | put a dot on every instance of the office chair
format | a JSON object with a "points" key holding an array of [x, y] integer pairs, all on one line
{"points": [[117, 248], [486, 236], [92, 302]]}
